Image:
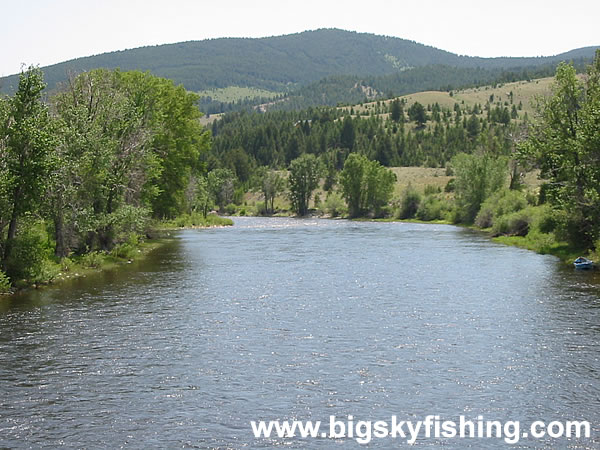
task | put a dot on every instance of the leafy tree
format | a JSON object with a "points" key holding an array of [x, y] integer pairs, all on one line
{"points": [[477, 177], [221, 186], [171, 117], [566, 145], [305, 172], [271, 184], [199, 195], [110, 153], [351, 181], [28, 139], [366, 185]]}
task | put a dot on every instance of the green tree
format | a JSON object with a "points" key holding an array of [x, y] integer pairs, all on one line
{"points": [[239, 162], [221, 186], [110, 153], [473, 126], [348, 134], [199, 196], [351, 181], [305, 172], [396, 111], [477, 177], [565, 143], [28, 141], [418, 114], [271, 184], [177, 139], [366, 185]]}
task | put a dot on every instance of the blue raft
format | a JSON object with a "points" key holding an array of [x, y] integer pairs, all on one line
{"points": [[582, 263]]}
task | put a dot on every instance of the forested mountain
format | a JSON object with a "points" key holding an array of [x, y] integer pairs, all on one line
{"points": [[283, 63]]}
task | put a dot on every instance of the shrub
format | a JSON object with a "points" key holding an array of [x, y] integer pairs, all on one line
{"points": [[334, 204], [499, 204], [124, 251], [430, 189], [49, 270], [409, 204], [430, 208], [450, 185], [66, 265], [4, 283], [29, 250], [230, 209], [546, 221], [514, 224], [92, 260]]}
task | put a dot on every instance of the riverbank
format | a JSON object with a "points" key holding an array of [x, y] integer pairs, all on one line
{"points": [[541, 243], [136, 248]]}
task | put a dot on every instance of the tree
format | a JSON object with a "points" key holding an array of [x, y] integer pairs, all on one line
{"points": [[477, 177], [271, 184], [473, 126], [305, 172], [27, 132], [239, 162], [366, 185], [351, 181], [171, 117], [417, 114], [109, 149], [396, 111], [565, 143], [221, 186], [348, 134]]}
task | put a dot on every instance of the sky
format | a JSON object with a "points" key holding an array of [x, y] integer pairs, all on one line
{"points": [[44, 32]]}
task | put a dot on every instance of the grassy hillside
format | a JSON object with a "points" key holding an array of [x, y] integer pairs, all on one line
{"points": [[282, 63], [524, 94]]}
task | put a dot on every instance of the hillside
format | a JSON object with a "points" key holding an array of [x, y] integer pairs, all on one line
{"points": [[283, 63], [521, 93]]}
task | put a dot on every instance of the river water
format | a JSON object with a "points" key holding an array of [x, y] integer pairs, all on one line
{"points": [[289, 319]]}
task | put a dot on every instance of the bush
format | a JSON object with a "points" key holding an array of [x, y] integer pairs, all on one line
{"points": [[230, 209], [124, 251], [4, 283], [499, 204], [92, 260], [29, 250], [432, 208], [334, 204], [450, 185], [66, 265], [49, 271], [546, 221], [430, 190], [409, 204], [514, 224]]}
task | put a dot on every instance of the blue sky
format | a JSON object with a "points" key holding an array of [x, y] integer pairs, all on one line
{"points": [[50, 31]]}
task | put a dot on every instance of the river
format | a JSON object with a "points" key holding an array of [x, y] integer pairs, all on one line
{"points": [[302, 319]]}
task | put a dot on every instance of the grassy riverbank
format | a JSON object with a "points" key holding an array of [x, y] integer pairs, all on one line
{"points": [[53, 270]]}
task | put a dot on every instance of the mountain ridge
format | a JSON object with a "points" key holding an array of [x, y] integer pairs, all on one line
{"points": [[282, 63]]}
